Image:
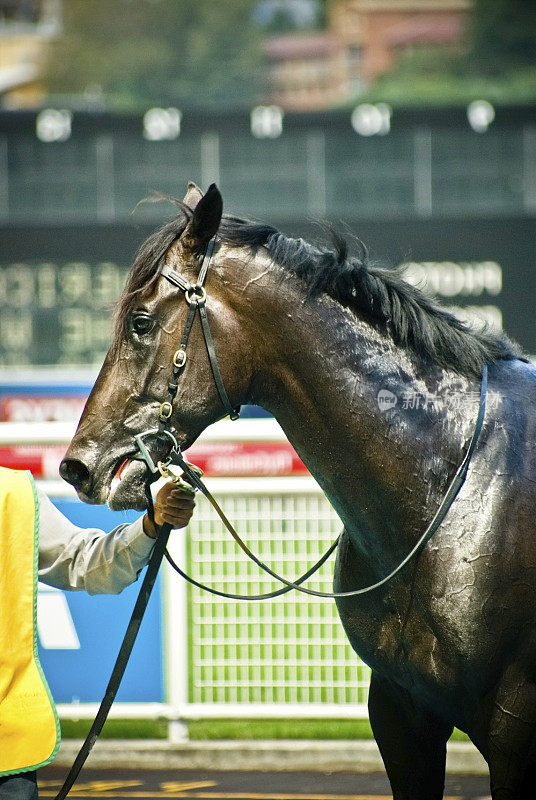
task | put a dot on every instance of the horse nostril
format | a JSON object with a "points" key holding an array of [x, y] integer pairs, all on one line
{"points": [[75, 472]]}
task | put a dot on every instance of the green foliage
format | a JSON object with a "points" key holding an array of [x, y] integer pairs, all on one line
{"points": [[502, 33], [116, 729], [314, 729], [213, 729], [280, 729], [496, 61], [282, 22], [136, 53], [452, 87]]}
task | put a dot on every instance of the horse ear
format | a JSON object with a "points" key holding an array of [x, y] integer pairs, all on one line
{"points": [[206, 218], [193, 195]]}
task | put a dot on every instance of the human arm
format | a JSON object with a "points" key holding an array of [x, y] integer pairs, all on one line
{"points": [[76, 558]]}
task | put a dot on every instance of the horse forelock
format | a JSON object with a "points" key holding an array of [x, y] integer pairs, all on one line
{"points": [[146, 266]]}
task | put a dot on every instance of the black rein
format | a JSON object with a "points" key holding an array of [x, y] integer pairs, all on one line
{"points": [[196, 298]]}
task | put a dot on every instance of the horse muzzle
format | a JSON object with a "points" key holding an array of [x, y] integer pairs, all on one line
{"points": [[76, 472], [117, 478]]}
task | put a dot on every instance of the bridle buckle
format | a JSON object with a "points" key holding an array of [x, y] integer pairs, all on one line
{"points": [[166, 410], [196, 294], [179, 359], [178, 480]]}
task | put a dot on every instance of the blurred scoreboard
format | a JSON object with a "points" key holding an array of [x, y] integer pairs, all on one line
{"points": [[57, 312], [59, 285]]}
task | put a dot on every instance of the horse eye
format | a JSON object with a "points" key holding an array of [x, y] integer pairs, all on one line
{"points": [[142, 324]]}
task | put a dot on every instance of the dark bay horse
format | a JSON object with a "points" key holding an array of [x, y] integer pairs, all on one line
{"points": [[377, 388]]}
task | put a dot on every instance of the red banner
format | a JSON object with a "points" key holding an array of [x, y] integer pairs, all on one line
{"points": [[228, 459], [41, 408], [223, 459], [42, 460]]}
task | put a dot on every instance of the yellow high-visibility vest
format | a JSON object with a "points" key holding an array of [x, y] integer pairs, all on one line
{"points": [[29, 725]]}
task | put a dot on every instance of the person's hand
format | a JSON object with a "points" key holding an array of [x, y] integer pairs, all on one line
{"points": [[172, 505]]}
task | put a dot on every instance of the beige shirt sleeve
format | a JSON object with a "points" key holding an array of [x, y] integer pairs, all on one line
{"points": [[87, 558]]}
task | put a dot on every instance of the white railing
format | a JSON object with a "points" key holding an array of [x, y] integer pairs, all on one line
{"points": [[286, 658], [263, 429]]}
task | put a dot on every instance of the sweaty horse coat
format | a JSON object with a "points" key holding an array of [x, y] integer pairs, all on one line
{"points": [[316, 337]]}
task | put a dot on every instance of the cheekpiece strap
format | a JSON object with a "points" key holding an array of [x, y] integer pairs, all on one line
{"points": [[176, 278]]}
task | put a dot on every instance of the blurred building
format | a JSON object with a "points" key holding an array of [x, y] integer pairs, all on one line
{"points": [[26, 26], [307, 69], [302, 74], [364, 40]]}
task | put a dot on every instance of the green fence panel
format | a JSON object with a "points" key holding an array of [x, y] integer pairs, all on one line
{"points": [[291, 649]]}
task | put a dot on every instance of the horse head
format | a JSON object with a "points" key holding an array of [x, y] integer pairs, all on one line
{"points": [[102, 461]]}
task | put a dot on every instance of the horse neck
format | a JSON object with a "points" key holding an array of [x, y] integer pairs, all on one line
{"points": [[383, 471]]}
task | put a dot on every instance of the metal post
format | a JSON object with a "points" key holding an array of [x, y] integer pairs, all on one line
{"points": [[104, 151], [176, 637], [316, 173], [210, 158], [422, 172], [529, 167], [4, 180]]}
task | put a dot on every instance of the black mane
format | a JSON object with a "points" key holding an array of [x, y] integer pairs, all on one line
{"points": [[381, 296]]}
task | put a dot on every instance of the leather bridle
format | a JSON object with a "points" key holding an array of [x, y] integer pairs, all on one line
{"points": [[195, 295]]}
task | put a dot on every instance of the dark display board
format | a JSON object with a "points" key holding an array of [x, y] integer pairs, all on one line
{"points": [[59, 166], [58, 285]]}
